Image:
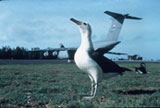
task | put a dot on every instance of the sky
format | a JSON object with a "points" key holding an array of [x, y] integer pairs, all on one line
{"points": [[45, 23]]}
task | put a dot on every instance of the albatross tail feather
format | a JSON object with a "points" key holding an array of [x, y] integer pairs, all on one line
{"points": [[125, 69]]}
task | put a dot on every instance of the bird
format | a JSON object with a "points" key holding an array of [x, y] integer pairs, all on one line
{"points": [[93, 62]]}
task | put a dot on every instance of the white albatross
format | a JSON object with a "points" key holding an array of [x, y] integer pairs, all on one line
{"points": [[92, 62]]}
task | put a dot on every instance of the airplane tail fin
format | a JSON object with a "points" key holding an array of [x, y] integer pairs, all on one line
{"points": [[117, 23], [121, 17]]}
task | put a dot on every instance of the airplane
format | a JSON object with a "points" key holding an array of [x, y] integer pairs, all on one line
{"points": [[111, 40], [103, 46]]}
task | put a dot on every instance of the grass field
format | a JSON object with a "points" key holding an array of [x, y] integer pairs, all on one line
{"points": [[60, 86]]}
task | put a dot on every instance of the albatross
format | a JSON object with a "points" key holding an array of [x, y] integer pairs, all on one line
{"points": [[93, 62]]}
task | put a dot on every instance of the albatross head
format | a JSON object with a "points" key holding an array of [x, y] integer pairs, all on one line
{"points": [[85, 28]]}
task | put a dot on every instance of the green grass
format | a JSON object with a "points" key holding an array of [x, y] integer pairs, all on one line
{"points": [[60, 85]]}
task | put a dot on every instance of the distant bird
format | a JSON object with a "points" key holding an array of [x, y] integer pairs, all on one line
{"points": [[93, 62], [141, 69]]}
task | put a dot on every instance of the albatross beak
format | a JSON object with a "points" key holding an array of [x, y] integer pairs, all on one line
{"points": [[76, 21]]}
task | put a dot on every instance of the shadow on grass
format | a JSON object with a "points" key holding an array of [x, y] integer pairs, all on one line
{"points": [[136, 92]]}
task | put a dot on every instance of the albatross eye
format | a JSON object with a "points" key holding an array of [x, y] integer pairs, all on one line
{"points": [[84, 23]]}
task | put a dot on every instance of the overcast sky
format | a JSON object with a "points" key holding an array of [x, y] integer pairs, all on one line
{"points": [[45, 23]]}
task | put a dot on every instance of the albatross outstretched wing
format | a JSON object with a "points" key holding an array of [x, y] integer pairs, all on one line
{"points": [[107, 65]]}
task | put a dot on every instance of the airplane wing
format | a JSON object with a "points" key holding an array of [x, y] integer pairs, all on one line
{"points": [[104, 46], [117, 53]]}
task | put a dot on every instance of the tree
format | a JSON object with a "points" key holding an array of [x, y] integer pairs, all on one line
{"points": [[5, 52]]}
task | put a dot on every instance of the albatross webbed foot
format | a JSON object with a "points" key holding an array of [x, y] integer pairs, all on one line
{"points": [[86, 97]]}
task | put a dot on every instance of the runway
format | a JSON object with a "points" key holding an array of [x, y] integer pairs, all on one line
{"points": [[34, 62], [30, 62]]}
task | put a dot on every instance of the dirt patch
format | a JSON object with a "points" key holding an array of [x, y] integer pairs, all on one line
{"points": [[136, 92]]}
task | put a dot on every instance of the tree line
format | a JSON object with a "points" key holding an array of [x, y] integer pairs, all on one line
{"points": [[7, 52]]}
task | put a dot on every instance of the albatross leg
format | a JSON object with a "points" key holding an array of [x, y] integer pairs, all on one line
{"points": [[93, 93], [93, 89], [92, 84]]}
